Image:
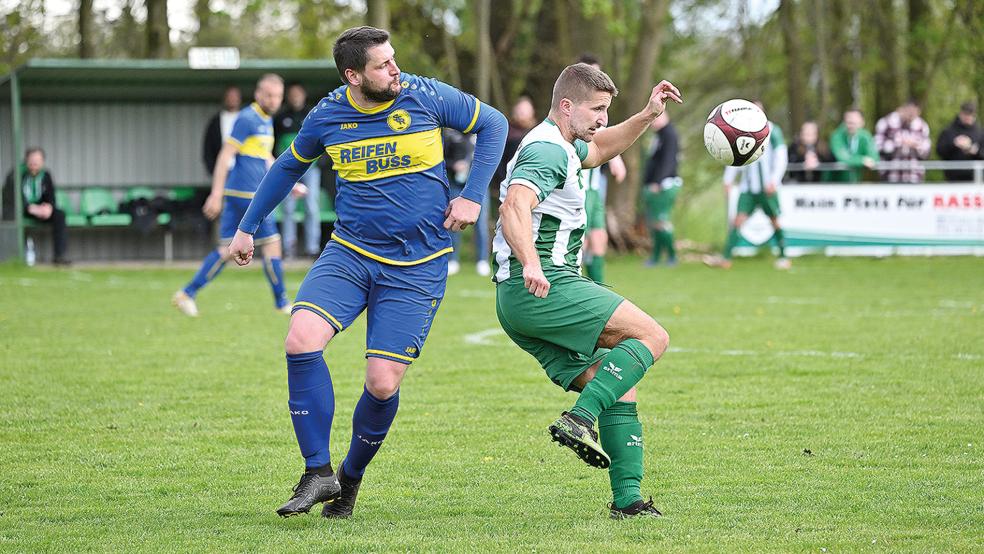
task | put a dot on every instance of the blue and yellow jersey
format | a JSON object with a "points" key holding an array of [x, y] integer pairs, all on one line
{"points": [[252, 134], [392, 185]]}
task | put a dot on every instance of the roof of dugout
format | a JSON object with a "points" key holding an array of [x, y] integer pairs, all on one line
{"points": [[46, 80]]}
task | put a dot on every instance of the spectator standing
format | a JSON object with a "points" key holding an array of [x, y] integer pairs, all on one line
{"points": [[661, 184], [38, 189], [521, 120], [962, 140], [903, 136], [810, 151], [286, 125], [458, 151], [853, 145], [220, 127]]}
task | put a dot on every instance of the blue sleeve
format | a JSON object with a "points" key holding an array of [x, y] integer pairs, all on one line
{"points": [[491, 127], [463, 112], [242, 128], [285, 172]]}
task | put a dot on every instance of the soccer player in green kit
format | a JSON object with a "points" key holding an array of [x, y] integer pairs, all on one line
{"points": [[585, 336]]}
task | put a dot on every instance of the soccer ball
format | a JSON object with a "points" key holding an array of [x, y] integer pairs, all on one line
{"points": [[736, 132]]}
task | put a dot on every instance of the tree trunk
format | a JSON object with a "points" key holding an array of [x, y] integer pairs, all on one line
{"points": [[623, 197], [484, 73], [795, 81], [825, 115], [842, 45], [885, 57], [85, 29], [919, 49], [378, 14], [158, 31]]}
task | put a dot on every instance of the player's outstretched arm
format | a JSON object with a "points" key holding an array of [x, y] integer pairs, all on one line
{"points": [[491, 127], [275, 186], [517, 228], [612, 141]]}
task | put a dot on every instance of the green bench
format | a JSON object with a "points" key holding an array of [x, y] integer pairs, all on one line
{"points": [[325, 204]]}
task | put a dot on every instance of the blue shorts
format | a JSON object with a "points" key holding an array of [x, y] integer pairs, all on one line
{"points": [[232, 214], [400, 301]]}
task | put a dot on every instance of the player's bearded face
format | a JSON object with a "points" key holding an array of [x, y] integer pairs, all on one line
{"points": [[589, 116], [381, 77]]}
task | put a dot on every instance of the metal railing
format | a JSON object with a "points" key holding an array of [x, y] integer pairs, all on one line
{"points": [[977, 166]]}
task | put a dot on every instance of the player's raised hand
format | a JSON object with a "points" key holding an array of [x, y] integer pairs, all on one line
{"points": [[535, 281], [213, 206], [461, 213], [241, 248], [661, 93]]}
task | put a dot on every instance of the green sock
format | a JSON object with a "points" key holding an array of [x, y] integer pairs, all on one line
{"points": [[668, 243], [621, 437], [623, 367], [596, 269], [657, 238], [732, 241], [780, 242]]}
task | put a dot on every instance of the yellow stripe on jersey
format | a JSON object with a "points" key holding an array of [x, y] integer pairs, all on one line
{"points": [[381, 157], [388, 261], [299, 157], [257, 146], [238, 193], [358, 108], [478, 106]]}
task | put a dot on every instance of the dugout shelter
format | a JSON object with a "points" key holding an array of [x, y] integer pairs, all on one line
{"points": [[117, 130]]}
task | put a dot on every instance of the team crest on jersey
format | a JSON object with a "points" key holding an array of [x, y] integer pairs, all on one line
{"points": [[399, 120]]}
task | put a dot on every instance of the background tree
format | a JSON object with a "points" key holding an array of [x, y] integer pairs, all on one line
{"points": [[158, 31]]}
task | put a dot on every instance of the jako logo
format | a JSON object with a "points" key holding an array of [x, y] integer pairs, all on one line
{"points": [[299, 412], [345, 126], [616, 371], [369, 442], [636, 441]]}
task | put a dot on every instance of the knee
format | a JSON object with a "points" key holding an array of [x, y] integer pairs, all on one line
{"points": [[656, 339], [382, 385], [302, 339]]}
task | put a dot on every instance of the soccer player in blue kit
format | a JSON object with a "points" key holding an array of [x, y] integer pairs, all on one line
{"points": [[387, 255], [251, 145]]}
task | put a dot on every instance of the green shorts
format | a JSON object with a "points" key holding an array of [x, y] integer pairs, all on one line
{"points": [[561, 331], [594, 209], [748, 201], [659, 205]]}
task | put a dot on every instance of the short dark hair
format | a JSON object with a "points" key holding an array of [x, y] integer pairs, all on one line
{"points": [[32, 150], [968, 107], [589, 59], [579, 81], [351, 48]]}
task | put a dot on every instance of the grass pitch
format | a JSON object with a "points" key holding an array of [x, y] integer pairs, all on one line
{"points": [[839, 406]]}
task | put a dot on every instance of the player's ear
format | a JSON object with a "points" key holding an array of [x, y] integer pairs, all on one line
{"points": [[566, 106], [352, 77]]}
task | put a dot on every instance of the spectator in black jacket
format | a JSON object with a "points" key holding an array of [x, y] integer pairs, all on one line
{"points": [[810, 151], [962, 140], [660, 185], [38, 191], [220, 126]]}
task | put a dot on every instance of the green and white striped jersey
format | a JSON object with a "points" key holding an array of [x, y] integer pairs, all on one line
{"points": [[550, 166], [771, 167]]}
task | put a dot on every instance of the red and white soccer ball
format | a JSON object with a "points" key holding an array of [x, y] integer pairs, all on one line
{"points": [[736, 132]]}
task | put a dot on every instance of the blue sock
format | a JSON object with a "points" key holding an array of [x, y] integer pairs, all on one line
{"points": [[274, 271], [312, 405], [211, 266], [370, 423]]}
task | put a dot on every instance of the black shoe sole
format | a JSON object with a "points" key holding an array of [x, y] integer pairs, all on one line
{"points": [[289, 513], [587, 454]]}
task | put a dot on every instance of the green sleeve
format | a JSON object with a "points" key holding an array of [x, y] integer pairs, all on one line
{"points": [[776, 138], [542, 165], [582, 149]]}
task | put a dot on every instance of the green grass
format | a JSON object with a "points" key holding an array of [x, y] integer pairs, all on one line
{"points": [[838, 407]]}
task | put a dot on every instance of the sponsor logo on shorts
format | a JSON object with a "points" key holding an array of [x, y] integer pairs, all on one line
{"points": [[636, 441], [616, 371], [299, 412], [410, 350]]}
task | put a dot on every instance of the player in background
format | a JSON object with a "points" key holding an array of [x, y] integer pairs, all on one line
{"points": [[661, 183], [251, 145], [585, 336], [388, 253], [596, 184], [758, 184]]}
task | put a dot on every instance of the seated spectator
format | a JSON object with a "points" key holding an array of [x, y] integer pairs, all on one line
{"points": [[853, 145], [810, 151], [903, 136], [38, 189], [962, 140]]}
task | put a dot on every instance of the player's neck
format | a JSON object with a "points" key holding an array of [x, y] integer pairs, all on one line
{"points": [[562, 126], [360, 99]]}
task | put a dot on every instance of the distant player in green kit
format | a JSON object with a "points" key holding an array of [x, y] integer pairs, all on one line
{"points": [[586, 337], [661, 183]]}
